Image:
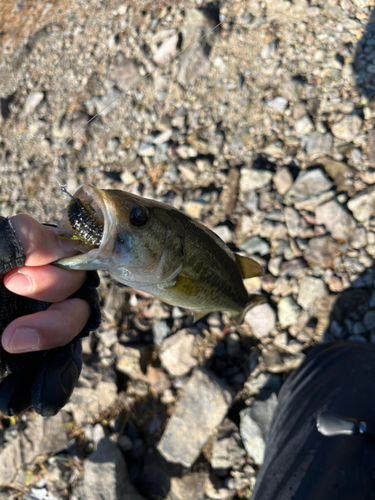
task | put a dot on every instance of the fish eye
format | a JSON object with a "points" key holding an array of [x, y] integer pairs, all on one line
{"points": [[138, 216]]}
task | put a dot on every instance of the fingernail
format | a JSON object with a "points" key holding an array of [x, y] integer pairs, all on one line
{"points": [[19, 283], [23, 340]]}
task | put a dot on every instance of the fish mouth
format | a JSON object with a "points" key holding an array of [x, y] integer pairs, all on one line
{"points": [[89, 257]]}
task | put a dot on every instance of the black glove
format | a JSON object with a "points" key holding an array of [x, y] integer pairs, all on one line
{"points": [[42, 379]]}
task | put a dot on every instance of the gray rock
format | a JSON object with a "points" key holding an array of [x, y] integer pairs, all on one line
{"points": [[227, 448], [108, 338], [293, 89], [274, 149], [254, 245], [160, 331], [274, 265], [304, 125], [113, 304], [137, 388], [252, 179], [104, 104], [161, 155], [276, 362], [87, 403], [369, 320], [126, 75], [252, 202], [278, 103], [283, 180], [264, 381], [357, 338], [336, 220], [288, 311], [127, 178], [358, 328], [363, 205], [293, 268], [105, 475], [356, 157], [189, 487], [194, 58], [261, 320], [292, 221], [195, 208], [224, 233], [185, 152], [348, 128], [128, 362], [200, 410], [309, 183], [310, 290], [318, 144], [254, 426], [43, 436], [32, 102], [312, 202], [269, 50], [125, 443], [146, 150], [339, 171], [163, 137], [322, 251], [166, 50], [176, 353]]}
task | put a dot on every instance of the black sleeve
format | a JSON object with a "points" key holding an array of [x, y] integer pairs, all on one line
{"points": [[42, 379]]}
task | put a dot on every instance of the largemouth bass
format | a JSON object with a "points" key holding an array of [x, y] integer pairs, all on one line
{"points": [[157, 249]]}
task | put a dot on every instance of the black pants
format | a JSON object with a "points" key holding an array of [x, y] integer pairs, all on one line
{"points": [[302, 464]]}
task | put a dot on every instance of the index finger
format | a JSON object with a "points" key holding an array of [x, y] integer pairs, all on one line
{"points": [[40, 243]]}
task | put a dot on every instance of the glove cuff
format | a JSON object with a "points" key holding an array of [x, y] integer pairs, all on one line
{"points": [[89, 293], [11, 251]]}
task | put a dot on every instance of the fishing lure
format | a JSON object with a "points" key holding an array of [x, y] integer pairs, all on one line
{"points": [[84, 221]]}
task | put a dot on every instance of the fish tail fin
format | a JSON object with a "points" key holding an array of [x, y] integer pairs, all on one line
{"points": [[254, 300], [247, 267]]}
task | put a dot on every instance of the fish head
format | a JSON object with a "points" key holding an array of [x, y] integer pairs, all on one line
{"points": [[142, 241]]}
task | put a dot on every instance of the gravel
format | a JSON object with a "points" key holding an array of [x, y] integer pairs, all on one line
{"points": [[264, 131]]}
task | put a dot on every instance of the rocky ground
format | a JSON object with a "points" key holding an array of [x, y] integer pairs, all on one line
{"points": [[264, 130]]}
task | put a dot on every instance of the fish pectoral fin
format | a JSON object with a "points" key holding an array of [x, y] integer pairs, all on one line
{"points": [[254, 300], [187, 286], [248, 268]]}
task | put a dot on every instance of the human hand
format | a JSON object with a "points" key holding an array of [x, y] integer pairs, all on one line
{"points": [[64, 319], [39, 373]]}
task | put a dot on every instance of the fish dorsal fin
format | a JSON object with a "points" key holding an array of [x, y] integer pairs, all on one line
{"points": [[248, 267]]}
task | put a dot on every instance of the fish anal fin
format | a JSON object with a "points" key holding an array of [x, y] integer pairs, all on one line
{"points": [[248, 268], [197, 315], [254, 300]]}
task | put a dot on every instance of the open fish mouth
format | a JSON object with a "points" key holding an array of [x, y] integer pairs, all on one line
{"points": [[89, 220]]}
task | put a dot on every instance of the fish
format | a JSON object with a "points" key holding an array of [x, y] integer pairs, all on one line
{"points": [[157, 249]]}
